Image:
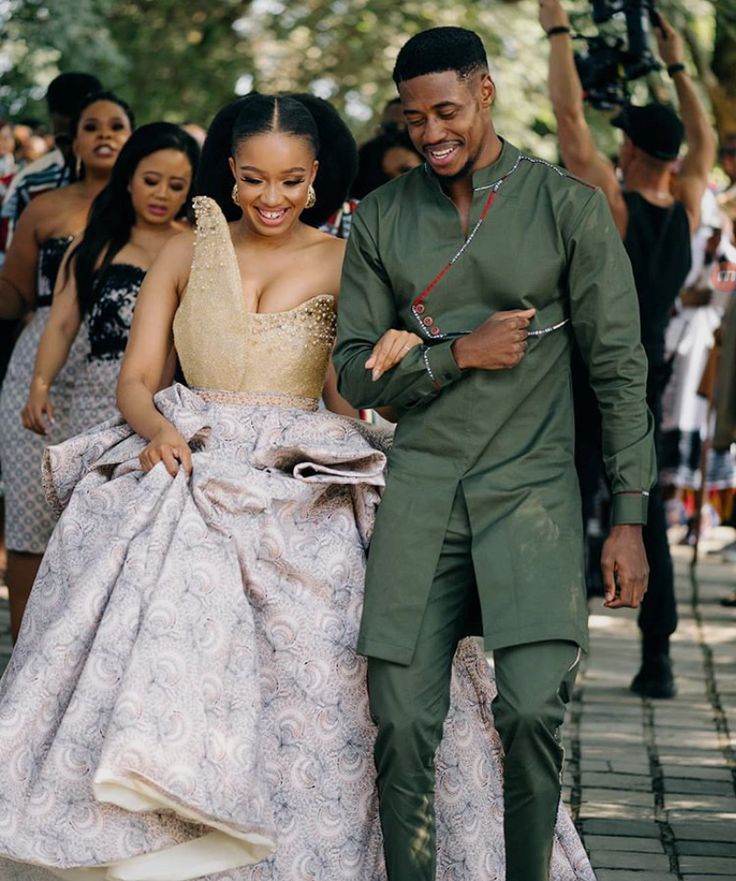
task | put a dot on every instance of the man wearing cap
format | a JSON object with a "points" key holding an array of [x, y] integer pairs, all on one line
{"points": [[465, 282], [655, 214]]}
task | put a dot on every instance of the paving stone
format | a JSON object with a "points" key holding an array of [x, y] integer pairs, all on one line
{"points": [[712, 758], [697, 787], [683, 771], [630, 845], [706, 817], [623, 827], [617, 811], [706, 848], [709, 864], [698, 878], [618, 797], [630, 782], [629, 875], [702, 831], [702, 878], [708, 803], [616, 859]]}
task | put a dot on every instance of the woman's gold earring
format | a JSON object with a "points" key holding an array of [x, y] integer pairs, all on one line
{"points": [[78, 169], [235, 196], [311, 198]]}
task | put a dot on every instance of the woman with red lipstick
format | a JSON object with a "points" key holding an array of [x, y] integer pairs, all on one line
{"points": [[130, 221], [102, 126]]}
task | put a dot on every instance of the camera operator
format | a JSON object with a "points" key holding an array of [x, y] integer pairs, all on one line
{"points": [[655, 213]]}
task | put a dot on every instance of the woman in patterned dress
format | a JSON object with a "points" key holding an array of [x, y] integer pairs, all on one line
{"points": [[186, 679], [43, 233], [130, 221]]}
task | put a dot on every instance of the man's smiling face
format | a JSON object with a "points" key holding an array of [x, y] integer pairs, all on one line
{"points": [[447, 118]]}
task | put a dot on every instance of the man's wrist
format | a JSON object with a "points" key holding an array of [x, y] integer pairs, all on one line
{"points": [[459, 349], [675, 68], [559, 30]]}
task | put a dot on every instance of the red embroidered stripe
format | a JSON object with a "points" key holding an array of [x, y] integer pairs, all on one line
{"points": [[443, 272]]}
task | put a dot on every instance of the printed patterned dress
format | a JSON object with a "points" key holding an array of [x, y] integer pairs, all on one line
{"points": [[29, 520], [107, 327], [185, 700]]}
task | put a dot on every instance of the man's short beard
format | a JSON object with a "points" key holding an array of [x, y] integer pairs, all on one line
{"points": [[464, 172]]}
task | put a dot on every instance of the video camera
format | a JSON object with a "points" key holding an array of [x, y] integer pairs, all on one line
{"points": [[610, 62]]}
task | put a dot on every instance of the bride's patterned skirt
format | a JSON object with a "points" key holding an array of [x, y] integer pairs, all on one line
{"points": [[185, 700]]}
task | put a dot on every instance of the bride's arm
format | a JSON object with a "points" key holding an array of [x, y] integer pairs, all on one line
{"points": [[148, 364], [334, 401]]}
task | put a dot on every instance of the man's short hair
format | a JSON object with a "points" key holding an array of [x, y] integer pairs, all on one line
{"points": [[438, 50], [66, 91]]}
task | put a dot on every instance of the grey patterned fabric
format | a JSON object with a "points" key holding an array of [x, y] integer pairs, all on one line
{"points": [[28, 519], [185, 697]]}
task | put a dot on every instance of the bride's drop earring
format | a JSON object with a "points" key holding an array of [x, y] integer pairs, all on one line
{"points": [[311, 198], [234, 195]]}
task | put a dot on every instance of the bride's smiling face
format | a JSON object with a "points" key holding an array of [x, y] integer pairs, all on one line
{"points": [[273, 172]]}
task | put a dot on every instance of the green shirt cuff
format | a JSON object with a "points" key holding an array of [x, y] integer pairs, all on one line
{"points": [[630, 508], [441, 364]]}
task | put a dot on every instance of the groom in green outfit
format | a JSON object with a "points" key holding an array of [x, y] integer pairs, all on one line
{"points": [[498, 262]]}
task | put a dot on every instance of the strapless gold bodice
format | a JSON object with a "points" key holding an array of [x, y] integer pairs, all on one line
{"points": [[223, 348]]}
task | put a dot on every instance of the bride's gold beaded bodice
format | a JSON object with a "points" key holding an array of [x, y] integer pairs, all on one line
{"points": [[280, 357]]}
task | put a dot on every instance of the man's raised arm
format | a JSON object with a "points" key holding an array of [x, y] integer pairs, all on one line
{"points": [[698, 162], [579, 153]]}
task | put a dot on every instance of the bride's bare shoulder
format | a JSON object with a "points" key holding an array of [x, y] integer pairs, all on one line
{"points": [[329, 247]]}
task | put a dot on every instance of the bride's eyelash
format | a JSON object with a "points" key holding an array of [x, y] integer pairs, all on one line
{"points": [[289, 183]]}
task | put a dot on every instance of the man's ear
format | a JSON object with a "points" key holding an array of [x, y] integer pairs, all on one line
{"points": [[487, 90]]}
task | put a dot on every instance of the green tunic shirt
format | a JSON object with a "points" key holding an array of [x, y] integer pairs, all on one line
{"points": [[506, 436]]}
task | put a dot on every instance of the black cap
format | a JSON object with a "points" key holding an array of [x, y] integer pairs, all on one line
{"points": [[655, 129]]}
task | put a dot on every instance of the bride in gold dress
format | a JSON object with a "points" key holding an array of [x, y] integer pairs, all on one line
{"points": [[185, 700]]}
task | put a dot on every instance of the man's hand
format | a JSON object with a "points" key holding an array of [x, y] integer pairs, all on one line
{"points": [[499, 343], [624, 560], [669, 42], [552, 15]]}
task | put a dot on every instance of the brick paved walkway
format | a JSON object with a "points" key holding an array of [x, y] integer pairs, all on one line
{"points": [[651, 784]]}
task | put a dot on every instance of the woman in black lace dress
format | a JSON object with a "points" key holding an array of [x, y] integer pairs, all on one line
{"points": [[129, 223], [42, 235]]}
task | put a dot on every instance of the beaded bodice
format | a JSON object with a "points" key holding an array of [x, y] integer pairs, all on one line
{"points": [[222, 346], [50, 254], [111, 314]]}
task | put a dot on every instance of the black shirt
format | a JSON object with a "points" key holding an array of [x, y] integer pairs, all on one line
{"points": [[658, 244]]}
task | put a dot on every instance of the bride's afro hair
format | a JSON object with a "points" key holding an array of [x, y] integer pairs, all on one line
{"points": [[305, 116]]}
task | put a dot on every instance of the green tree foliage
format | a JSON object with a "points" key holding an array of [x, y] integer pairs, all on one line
{"points": [[182, 59]]}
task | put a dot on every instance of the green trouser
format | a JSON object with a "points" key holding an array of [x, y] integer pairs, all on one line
{"points": [[409, 705]]}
